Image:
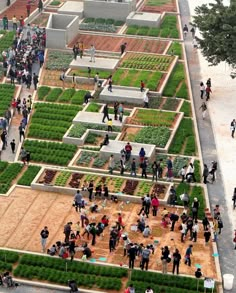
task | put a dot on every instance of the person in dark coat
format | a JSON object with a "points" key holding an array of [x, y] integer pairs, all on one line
{"points": [[105, 113], [176, 261], [205, 174]]}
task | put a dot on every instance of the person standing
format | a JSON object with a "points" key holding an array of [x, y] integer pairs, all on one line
{"points": [[155, 204], [205, 223], [78, 200], [5, 22], [96, 81], [76, 50], [105, 113], [21, 131], [109, 83], [188, 254], [234, 198], [193, 32], [146, 101], [142, 86], [195, 230], [14, 22], [183, 230], [62, 78], [28, 8], [165, 255], [133, 168], [81, 49], [13, 146], [35, 81], [128, 150], [44, 235], [144, 166], [4, 139], [232, 127], [111, 164], [195, 208], [234, 239], [92, 53], [205, 174], [116, 106], [203, 107], [145, 258], [176, 261], [89, 72], [202, 89], [190, 173], [154, 171], [67, 230], [208, 92], [122, 165], [90, 190], [132, 255], [169, 169], [142, 154], [40, 6], [123, 48], [207, 236], [174, 218]]}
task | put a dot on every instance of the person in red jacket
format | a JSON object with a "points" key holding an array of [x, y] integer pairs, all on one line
{"points": [[28, 7], [128, 150], [142, 86], [155, 205], [208, 91]]}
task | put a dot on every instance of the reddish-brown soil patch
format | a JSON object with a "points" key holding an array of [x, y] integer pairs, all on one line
{"points": [[106, 43], [26, 211], [168, 7], [18, 9], [41, 20]]}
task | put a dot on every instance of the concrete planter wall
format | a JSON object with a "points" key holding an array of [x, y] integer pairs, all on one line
{"points": [[117, 10], [144, 19], [61, 30]]}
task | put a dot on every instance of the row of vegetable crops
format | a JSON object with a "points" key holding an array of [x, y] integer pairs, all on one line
{"points": [[72, 96], [51, 121], [6, 95], [58, 60], [7, 175], [6, 41]]}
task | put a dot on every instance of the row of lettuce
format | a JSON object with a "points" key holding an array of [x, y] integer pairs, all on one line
{"points": [[92, 276]]}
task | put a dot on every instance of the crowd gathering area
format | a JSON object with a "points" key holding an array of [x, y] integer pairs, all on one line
{"points": [[101, 176]]}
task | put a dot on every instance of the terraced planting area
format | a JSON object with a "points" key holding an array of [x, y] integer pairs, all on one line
{"points": [[132, 77], [6, 94], [145, 61], [6, 41], [168, 29], [101, 24], [159, 6]]}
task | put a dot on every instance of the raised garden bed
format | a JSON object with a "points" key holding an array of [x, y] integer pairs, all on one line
{"points": [[58, 60], [85, 158], [158, 136], [168, 29], [58, 95], [103, 74], [6, 41], [153, 118], [50, 152], [6, 94], [8, 174], [77, 131], [125, 77], [42, 19], [97, 138], [170, 104], [29, 175], [93, 107], [184, 139], [159, 6], [186, 108], [176, 49], [51, 121], [148, 62], [176, 85], [101, 24]]}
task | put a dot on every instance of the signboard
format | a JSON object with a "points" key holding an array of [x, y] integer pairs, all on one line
{"points": [[209, 283]]}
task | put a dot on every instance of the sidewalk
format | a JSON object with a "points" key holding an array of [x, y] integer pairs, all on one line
{"points": [[215, 139]]}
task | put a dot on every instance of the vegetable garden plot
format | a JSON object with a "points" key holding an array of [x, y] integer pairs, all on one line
{"points": [[50, 152], [125, 77], [50, 121], [144, 61], [176, 49], [6, 41], [6, 93], [8, 174], [103, 74], [153, 118], [29, 175], [58, 60], [59, 95]]}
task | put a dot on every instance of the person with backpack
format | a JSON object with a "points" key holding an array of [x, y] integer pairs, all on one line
{"points": [[145, 258], [176, 261]]}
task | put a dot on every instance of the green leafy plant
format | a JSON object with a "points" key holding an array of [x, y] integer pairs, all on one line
{"points": [[153, 135], [186, 108], [176, 49], [93, 107], [29, 175], [171, 104], [43, 91], [62, 178], [6, 94], [8, 175], [58, 60]]}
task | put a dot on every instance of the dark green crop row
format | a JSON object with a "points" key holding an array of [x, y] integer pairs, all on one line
{"points": [[50, 152], [6, 41], [8, 175], [6, 96], [29, 175]]}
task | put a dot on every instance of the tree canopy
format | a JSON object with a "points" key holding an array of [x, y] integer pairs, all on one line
{"points": [[217, 24]]}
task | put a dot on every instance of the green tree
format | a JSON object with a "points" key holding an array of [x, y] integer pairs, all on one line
{"points": [[217, 24]]}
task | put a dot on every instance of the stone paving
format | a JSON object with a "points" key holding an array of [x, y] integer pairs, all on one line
{"points": [[215, 139], [100, 63]]}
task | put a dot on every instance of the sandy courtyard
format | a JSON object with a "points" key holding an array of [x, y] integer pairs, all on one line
{"points": [[25, 212]]}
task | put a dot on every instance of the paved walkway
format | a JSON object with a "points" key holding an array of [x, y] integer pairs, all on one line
{"points": [[30, 289], [215, 139]]}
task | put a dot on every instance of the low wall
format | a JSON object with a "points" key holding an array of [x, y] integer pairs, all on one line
{"points": [[104, 9], [143, 19]]}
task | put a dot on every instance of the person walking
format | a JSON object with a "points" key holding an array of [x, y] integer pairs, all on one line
{"points": [[122, 164], [109, 80], [203, 108], [232, 127], [35, 81], [145, 258], [40, 6], [195, 230], [13, 146], [67, 230], [174, 218], [44, 236], [123, 48], [28, 8], [188, 254], [205, 173], [142, 154], [205, 223], [202, 89], [208, 92], [193, 32], [234, 198], [128, 150], [14, 23], [185, 30], [21, 131], [165, 255], [154, 171], [176, 261], [92, 53], [105, 113], [115, 107], [90, 189], [142, 86], [5, 22], [111, 164]]}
